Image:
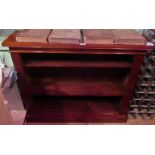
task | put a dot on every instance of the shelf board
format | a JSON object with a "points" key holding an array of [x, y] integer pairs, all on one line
{"points": [[85, 64], [74, 111], [105, 87]]}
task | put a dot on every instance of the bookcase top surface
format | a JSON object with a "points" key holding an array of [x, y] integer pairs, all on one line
{"points": [[78, 39]]}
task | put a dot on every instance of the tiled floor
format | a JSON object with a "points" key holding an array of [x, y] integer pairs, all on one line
{"points": [[18, 113]]}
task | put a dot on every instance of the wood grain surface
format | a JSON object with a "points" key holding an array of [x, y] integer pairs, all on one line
{"points": [[33, 35], [128, 48], [65, 36], [128, 36], [99, 36]]}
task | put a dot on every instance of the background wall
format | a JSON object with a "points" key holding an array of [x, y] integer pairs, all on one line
{"points": [[4, 51]]}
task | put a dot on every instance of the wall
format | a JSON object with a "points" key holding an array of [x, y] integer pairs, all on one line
{"points": [[4, 51]]}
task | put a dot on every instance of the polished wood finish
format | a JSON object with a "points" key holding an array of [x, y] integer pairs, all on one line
{"points": [[75, 110], [76, 82], [80, 88], [22, 79], [77, 64], [133, 76]]}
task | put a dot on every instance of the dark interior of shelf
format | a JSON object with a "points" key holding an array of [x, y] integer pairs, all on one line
{"points": [[78, 82], [77, 64], [72, 60], [77, 109], [76, 88]]}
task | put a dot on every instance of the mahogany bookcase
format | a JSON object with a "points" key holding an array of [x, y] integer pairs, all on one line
{"points": [[67, 83]]}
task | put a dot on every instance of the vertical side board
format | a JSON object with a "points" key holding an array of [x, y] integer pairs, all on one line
{"points": [[22, 79], [133, 76]]}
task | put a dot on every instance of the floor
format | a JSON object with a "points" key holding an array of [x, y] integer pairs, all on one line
{"points": [[14, 104]]}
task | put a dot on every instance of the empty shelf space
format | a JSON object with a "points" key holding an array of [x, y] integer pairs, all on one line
{"points": [[76, 60], [78, 82], [74, 110], [95, 64], [106, 87]]}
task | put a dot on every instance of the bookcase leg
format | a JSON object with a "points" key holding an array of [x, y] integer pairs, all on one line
{"points": [[131, 83]]}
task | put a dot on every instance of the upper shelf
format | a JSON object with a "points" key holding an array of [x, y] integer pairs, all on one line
{"points": [[78, 61]]}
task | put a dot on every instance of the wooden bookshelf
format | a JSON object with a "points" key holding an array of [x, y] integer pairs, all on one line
{"points": [[77, 83]]}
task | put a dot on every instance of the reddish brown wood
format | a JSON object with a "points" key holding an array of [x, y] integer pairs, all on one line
{"points": [[75, 64], [128, 36], [82, 51], [33, 35], [79, 88], [11, 42], [75, 111], [22, 79], [78, 81], [100, 36], [76, 72], [133, 76], [64, 36]]}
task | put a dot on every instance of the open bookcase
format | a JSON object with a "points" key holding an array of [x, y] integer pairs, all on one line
{"points": [[84, 88], [76, 83]]}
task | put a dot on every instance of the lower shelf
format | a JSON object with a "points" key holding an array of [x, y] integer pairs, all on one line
{"points": [[80, 88], [74, 111]]}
